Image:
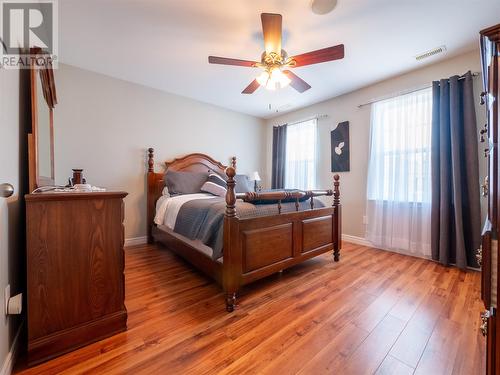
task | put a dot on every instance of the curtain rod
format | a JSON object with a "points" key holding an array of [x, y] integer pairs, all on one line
{"points": [[475, 74], [317, 117]]}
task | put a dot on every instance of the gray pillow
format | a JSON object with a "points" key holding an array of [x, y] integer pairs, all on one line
{"points": [[243, 184], [215, 185], [185, 182]]}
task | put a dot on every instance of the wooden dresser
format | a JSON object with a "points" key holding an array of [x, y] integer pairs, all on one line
{"points": [[75, 264]]}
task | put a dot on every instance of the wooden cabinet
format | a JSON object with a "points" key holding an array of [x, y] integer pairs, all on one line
{"points": [[488, 254], [75, 264]]}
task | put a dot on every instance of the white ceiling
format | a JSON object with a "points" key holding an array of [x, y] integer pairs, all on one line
{"points": [[164, 44]]}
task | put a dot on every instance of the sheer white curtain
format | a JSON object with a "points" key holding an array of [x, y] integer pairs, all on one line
{"points": [[399, 174], [301, 155]]}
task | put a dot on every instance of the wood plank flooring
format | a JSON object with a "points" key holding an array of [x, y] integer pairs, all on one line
{"points": [[374, 312]]}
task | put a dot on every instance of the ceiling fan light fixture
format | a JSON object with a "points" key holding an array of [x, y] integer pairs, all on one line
{"points": [[279, 78], [273, 80], [263, 78]]}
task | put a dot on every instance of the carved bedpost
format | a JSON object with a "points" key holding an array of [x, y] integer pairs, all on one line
{"points": [[337, 218], [150, 198], [151, 161], [230, 195], [336, 190], [230, 273]]}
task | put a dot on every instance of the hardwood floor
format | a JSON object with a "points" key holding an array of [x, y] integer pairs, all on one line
{"points": [[374, 312]]}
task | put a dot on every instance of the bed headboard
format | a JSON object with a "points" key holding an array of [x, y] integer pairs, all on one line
{"points": [[190, 163]]}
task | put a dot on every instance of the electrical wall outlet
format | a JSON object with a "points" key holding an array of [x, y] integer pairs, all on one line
{"points": [[6, 299], [365, 220]]}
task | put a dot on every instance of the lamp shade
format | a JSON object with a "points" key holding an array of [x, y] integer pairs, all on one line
{"points": [[255, 176]]}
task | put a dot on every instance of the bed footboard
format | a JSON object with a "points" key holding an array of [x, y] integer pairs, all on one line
{"points": [[257, 247]]}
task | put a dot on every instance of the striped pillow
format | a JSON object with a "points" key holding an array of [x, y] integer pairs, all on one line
{"points": [[215, 185]]}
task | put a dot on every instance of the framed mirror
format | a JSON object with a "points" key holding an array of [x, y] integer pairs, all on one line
{"points": [[41, 138]]}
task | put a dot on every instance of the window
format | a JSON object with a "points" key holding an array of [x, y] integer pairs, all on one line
{"points": [[398, 208], [400, 162], [301, 155]]}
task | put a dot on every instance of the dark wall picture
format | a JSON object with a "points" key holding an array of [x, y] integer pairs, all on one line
{"points": [[340, 147]]}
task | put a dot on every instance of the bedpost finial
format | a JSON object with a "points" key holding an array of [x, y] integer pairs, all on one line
{"points": [[336, 190], [233, 162], [230, 172], [230, 195], [151, 161]]}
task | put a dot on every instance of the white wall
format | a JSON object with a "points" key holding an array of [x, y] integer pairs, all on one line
{"points": [[13, 117], [104, 125], [345, 108]]}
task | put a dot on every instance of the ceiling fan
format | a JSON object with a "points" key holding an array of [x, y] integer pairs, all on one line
{"points": [[275, 62]]}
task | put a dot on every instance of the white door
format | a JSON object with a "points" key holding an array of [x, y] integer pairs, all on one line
{"points": [[10, 248]]}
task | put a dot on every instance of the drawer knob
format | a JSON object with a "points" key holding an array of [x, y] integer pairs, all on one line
{"points": [[479, 256], [485, 315], [485, 187], [483, 132], [481, 98]]}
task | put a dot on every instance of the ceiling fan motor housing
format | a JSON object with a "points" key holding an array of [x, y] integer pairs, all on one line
{"points": [[273, 60]]}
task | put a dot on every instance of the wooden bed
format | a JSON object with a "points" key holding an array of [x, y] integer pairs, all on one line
{"points": [[256, 247]]}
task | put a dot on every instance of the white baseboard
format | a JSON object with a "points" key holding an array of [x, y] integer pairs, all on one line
{"points": [[135, 241], [364, 242], [345, 237], [8, 363], [356, 240]]}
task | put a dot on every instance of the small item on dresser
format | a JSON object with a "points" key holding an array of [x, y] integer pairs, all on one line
{"points": [[82, 187], [77, 178], [78, 188]]}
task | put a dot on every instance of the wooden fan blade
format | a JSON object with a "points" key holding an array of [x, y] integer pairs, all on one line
{"points": [[297, 83], [228, 61], [271, 28], [320, 55], [250, 89]]}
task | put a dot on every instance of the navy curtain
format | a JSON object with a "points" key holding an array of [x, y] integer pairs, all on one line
{"points": [[456, 216], [279, 157]]}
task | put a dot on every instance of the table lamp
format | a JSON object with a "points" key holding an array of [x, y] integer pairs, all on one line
{"points": [[256, 178]]}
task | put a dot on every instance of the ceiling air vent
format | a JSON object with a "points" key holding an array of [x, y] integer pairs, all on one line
{"points": [[430, 53], [281, 108]]}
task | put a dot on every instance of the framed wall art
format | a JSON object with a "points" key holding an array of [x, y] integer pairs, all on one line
{"points": [[340, 153]]}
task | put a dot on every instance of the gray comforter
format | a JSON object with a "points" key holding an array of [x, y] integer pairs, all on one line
{"points": [[202, 219]]}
